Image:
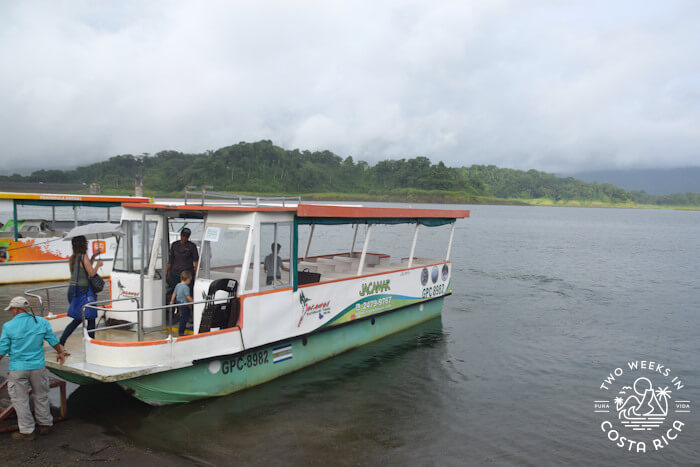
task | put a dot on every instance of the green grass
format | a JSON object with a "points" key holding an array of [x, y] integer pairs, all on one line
{"points": [[411, 195]]}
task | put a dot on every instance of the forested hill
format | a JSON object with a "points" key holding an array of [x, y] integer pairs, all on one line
{"points": [[265, 168]]}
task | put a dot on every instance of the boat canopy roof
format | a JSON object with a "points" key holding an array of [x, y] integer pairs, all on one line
{"points": [[54, 199], [330, 213]]}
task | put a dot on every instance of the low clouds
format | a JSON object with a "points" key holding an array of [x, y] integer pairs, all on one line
{"points": [[557, 86]]}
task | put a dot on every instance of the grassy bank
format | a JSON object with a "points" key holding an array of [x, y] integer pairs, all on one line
{"points": [[409, 195], [413, 196]]}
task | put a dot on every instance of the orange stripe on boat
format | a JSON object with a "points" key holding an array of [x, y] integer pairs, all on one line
{"points": [[162, 341], [199, 207], [128, 344], [63, 197], [210, 333], [265, 292], [319, 210], [327, 210]]}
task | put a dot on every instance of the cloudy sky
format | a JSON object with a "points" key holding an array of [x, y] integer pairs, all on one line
{"points": [[551, 85]]}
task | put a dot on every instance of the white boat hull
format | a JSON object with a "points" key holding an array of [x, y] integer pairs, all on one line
{"points": [[46, 259], [42, 271]]}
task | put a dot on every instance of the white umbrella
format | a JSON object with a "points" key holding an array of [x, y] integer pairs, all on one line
{"points": [[94, 231]]}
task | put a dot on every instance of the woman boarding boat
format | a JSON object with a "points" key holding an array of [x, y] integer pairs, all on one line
{"points": [[246, 332]]}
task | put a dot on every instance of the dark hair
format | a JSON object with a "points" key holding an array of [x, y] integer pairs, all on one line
{"points": [[186, 232], [79, 248], [272, 247]]}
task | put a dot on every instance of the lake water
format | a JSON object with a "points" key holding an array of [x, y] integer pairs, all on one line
{"points": [[546, 303]]}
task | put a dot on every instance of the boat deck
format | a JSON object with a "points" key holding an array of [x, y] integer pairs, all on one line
{"points": [[74, 362]]}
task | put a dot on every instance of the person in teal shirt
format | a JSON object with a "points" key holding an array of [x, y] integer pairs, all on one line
{"points": [[23, 340]]}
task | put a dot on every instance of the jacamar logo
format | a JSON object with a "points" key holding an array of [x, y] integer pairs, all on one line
{"points": [[375, 287], [123, 291], [303, 299]]}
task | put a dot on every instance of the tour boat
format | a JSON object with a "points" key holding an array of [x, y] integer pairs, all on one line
{"points": [[33, 250], [247, 329]]}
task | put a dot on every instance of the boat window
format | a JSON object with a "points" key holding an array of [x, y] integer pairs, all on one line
{"points": [[127, 258], [432, 242], [120, 255], [271, 234], [223, 248]]}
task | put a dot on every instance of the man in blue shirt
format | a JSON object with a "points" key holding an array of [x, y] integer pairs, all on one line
{"points": [[23, 340]]}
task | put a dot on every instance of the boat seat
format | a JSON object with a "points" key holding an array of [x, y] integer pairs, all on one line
{"points": [[374, 268], [329, 276], [325, 268], [346, 259], [345, 267], [221, 313]]}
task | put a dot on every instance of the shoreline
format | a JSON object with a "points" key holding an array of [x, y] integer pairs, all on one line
{"points": [[429, 197], [76, 441], [448, 198]]}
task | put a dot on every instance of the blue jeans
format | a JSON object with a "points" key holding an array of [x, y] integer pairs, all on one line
{"points": [[74, 324], [185, 313]]}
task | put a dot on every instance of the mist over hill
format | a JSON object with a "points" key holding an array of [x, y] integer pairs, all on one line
{"points": [[652, 181]]}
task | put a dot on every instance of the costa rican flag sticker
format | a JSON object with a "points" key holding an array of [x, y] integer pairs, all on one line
{"points": [[280, 354]]}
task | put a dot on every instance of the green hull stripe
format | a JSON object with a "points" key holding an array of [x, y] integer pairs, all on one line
{"points": [[397, 301], [227, 375]]}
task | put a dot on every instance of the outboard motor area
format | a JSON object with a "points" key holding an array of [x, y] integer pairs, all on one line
{"points": [[223, 311]]}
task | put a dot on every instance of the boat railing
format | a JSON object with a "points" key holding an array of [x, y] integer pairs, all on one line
{"points": [[97, 306], [234, 198], [53, 300]]}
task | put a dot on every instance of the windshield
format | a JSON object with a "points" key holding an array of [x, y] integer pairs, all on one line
{"points": [[127, 258], [223, 249]]}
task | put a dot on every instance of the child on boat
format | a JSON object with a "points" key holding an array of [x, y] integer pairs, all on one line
{"points": [[181, 294]]}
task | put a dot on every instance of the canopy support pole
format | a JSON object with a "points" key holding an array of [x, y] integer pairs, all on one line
{"points": [[295, 255], [354, 237], [53, 217], [14, 218], [413, 246], [449, 244], [274, 257], [75, 216], [255, 256], [246, 259], [308, 244], [164, 244], [139, 324], [364, 250]]}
